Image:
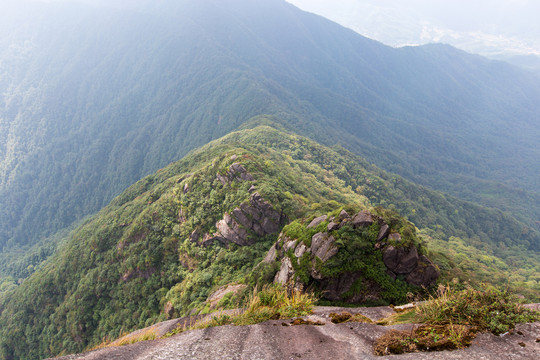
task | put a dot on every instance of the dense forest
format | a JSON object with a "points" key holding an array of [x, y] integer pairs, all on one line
{"points": [[94, 99], [122, 130], [118, 270]]}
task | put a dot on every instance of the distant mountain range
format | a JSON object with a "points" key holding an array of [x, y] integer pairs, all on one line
{"points": [[501, 30], [166, 118]]}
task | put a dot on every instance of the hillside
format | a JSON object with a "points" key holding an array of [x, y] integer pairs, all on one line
{"points": [[161, 247], [94, 99]]}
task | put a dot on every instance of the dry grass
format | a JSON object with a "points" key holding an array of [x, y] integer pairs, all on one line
{"points": [[424, 338], [273, 302], [129, 338], [452, 319]]}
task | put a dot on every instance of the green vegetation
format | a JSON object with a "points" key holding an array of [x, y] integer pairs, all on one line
{"points": [[116, 272], [453, 318], [489, 309], [272, 302], [76, 130]]}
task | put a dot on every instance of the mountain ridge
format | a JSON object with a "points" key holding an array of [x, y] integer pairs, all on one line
{"points": [[205, 78], [122, 267]]}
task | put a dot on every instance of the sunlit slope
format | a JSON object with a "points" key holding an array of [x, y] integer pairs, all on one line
{"points": [[150, 249]]}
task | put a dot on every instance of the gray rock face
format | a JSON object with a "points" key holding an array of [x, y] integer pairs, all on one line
{"points": [[362, 219], [334, 288], [399, 260], [231, 231], [419, 270], [317, 221], [426, 274], [299, 251], [212, 239], [214, 299], [258, 217], [285, 273], [323, 247], [333, 226], [383, 233], [237, 172]]}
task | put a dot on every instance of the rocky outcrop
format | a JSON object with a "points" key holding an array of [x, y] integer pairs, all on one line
{"points": [[317, 221], [404, 261], [236, 172], [419, 270], [244, 224], [323, 247]]}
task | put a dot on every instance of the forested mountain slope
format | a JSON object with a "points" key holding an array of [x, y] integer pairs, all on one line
{"points": [[94, 99], [153, 251]]}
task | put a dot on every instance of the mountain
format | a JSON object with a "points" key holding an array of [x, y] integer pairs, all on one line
{"points": [[93, 99], [162, 246], [501, 29]]}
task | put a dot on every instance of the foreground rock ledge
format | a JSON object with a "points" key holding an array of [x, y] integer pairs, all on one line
{"points": [[271, 340]]}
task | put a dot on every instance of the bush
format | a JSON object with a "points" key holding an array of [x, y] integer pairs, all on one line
{"points": [[485, 310]]}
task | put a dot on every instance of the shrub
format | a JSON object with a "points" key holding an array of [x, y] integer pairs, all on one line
{"points": [[485, 310]]}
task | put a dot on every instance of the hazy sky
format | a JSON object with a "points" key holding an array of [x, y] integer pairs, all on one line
{"points": [[487, 27], [484, 26]]}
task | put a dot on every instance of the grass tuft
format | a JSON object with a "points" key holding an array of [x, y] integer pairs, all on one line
{"points": [[273, 302], [453, 318]]}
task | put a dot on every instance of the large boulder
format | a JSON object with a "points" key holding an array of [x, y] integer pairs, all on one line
{"points": [[257, 217], [236, 172], [341, 279], [323, 247], [317, 221], [418, 270], [362, 219]]}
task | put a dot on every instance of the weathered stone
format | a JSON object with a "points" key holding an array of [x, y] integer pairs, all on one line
{"points": [[363, 218], [222, 179], [323, 246], [237, 168], [234, 157], [300, 250], [257, 216], [186, 188], [239, 173], [400, 260], [383, 232], [343, 215], [269, 225], [391, 274], [242, 218], [272, 254], [334, 288], [285, 272], [289, 245], [257, 201], [333, 226], [317, 221], [425, 274], [232, 231], [251, 189]]}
